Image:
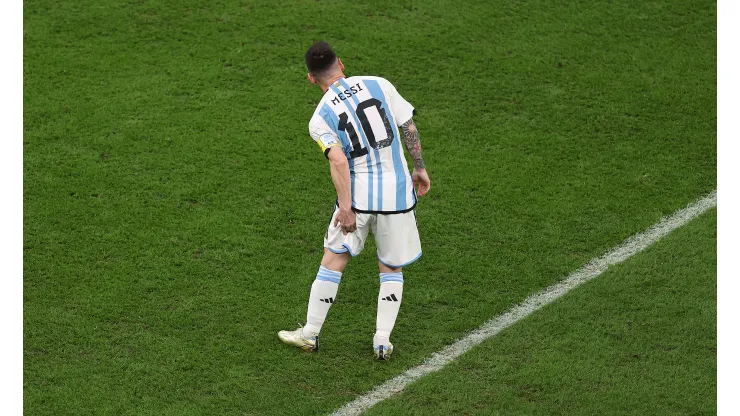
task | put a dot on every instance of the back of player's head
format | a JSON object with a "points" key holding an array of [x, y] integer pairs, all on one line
{"points": [[320, 59]]}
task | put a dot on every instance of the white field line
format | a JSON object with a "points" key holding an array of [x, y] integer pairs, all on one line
{"points": [[592, 269]]}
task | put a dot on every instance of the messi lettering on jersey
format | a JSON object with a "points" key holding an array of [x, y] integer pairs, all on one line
{"points": [[362, 115], [343, 95]]}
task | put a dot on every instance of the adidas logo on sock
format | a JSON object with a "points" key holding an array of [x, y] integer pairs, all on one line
{"points": [[330, 300], [391, 298]]}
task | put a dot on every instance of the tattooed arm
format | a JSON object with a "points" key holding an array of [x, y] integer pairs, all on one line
{"points": [[413, 145]]}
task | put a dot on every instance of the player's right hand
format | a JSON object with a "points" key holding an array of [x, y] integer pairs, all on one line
{"points": [[421, 181]]}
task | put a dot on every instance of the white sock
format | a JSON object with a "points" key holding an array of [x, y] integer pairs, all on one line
{"points": [[323, 293], [389, 301]]}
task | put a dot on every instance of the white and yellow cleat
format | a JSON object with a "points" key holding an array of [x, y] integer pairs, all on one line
{"points": [[296, 339], [383, 352]]}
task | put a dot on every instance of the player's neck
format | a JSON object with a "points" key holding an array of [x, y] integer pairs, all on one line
{"points": [[325, 84]]}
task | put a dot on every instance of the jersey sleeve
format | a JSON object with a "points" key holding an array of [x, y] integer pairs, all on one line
{"points": [[402, 109], [323, 135]]}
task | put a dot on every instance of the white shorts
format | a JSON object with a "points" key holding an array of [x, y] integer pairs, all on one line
{"points": [[396, 237]]}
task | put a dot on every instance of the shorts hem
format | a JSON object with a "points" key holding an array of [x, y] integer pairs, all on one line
{"points": [[403, 265], [346, 247], [337, 251]]}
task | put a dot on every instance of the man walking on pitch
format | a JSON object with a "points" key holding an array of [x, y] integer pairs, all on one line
{"points": [[356, 126]]}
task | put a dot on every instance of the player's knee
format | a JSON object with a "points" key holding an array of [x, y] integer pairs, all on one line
{"points": [[335, 261], [384, 268]]}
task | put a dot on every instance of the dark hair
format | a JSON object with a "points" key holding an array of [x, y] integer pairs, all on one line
{"points": [[319, 58]]}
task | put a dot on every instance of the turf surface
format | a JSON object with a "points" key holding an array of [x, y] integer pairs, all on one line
{"points": [[641, 339], [174, 205]]}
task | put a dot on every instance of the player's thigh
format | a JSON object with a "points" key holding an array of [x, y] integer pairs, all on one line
{"points": [[397, 239], [353, 243]]}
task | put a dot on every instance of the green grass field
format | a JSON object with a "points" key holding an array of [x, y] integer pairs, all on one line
{"points": [[605, 348], [174, 205]]}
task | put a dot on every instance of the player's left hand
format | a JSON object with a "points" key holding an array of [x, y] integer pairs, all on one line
{"points": [[347, 219]]}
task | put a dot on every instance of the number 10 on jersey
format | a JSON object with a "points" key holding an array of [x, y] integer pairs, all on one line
{"points": [[346, 126]]}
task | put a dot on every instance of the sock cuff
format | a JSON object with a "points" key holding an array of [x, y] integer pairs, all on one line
{"points": [[391, 277], [328, 275]]}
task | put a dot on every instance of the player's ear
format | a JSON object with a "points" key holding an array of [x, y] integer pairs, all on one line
{"points": [[311, 79], [341, 65]]}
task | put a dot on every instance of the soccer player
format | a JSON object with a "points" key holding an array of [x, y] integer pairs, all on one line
{"points": [[356, 126]]}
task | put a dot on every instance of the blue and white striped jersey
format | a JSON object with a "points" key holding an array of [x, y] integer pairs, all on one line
{"points": [[362, 115]]}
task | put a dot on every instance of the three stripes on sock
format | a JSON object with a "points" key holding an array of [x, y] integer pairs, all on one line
{"points": [[324, 292]]}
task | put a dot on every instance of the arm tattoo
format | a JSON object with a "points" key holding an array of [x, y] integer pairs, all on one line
{"points": [[411, 137]]}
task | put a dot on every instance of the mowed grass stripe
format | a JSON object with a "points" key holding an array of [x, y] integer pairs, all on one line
{"points": [[594, 268], [639, 340]]}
